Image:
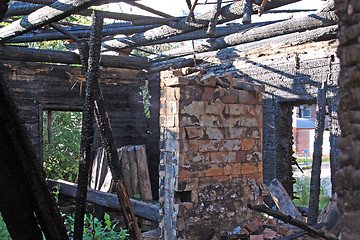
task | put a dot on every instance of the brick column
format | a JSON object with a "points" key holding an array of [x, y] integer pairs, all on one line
{"points": [[210, 160]]}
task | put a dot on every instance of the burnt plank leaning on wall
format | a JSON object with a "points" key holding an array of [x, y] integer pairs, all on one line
{"points": [[35, 86]]}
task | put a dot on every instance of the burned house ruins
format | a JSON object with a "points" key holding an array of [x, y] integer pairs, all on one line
{"points": [[220, 123]]}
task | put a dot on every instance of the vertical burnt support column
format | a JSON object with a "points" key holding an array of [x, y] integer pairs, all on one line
{"points": [[284, 142], [334, 135], [269, 143], [348, 174], [211, 158]]}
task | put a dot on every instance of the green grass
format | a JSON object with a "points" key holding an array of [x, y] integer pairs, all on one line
{"points": [[302, 189], [310, 160]]}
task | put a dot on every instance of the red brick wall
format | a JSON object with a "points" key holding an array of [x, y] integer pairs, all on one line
{"points": [[211, 161]]}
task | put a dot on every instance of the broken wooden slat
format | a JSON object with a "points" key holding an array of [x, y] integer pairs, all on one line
{"points": [[283, 200], [141, 209], [288, 219], [125, 168], [317, 155], [133, 170], [143, 173], [41, 55], [330, 217], [211, 31]]}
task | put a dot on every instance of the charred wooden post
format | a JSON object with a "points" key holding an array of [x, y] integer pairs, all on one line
{"points": [[288, 219], [87, 124], [211, 32], [316, 164], [108, 139], [247, 12]]}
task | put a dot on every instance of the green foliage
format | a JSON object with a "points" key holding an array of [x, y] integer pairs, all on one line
{"points": [[94, 229], [4, 233], [302, 189], [145, 93], [61, 156]]}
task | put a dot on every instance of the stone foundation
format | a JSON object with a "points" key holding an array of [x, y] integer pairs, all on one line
{"points": [[210, 154]]}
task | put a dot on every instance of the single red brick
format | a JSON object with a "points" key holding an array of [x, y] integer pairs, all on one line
{"points": [[194, 132], [247, 168], [214, 170], [237, 109], [258, 177], [247, 144], [253, 226], [208, 145], [185, 173], [256, 237], [240, 156], [235, 169], [247, 97], [218, 157], [209, 93], [230, 96]]}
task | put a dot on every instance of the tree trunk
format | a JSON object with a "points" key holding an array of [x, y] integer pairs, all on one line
{"points": [[228, 13], [306, 23], [41, 55], [316, 164], [286, 40]]}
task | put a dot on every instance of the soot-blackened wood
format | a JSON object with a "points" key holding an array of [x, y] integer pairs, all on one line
{"points": [[43, 16], [3, 8], [87, 124], [152, 21], [109, 145], [25, 202], [288, 219], [52, 56], [111, 29], [228, 13], [247, 12], [285, 40], [317, 155], [211, 32], [141, 209], [306, 23]]}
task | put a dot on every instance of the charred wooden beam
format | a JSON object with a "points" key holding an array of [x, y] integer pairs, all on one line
{"points": [[317, 155], [25, 203], [292, 25], [152, 21], [141, 209], [52, 56], [288, 219], [247, 12], [111, 29], [228, 13], [191, 13], [45, 15], [87, 132], [17, 8], [285, 40], [220, 31]]}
